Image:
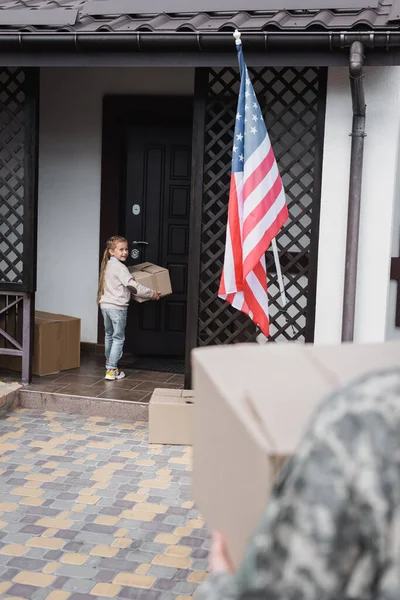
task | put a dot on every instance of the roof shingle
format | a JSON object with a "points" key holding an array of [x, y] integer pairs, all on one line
{"points": [[197, 21]]}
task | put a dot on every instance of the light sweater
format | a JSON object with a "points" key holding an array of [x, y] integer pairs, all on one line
{"points": [[117, 282]]}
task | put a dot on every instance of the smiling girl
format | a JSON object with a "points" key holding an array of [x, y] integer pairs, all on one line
{"points": [[116, 286]]}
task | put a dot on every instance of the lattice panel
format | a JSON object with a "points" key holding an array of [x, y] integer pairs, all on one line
{"points": [[12, 143], [288, 98]]}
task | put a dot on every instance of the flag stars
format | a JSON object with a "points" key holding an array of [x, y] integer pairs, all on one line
{"points": [[238, 117], [239, 137], [255, 105], [241, 158], [234, 148], [255, 118], [254, 130]]}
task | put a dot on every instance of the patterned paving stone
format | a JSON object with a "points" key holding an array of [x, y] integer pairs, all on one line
{"points": [[88, 509]]}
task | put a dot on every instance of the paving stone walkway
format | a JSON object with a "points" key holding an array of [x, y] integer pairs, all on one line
{"points": [[88, 509]]}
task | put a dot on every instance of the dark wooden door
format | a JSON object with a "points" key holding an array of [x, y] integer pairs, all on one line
{"points": [[157, 214]]}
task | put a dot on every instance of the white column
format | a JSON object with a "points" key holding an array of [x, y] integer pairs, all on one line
{"points": [[379, 192]]}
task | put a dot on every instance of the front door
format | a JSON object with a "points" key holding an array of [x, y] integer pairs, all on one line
{"points": [[158, 161]]}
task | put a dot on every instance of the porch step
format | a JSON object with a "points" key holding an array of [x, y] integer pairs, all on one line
{"points": [[83, 405], [9, 397]]}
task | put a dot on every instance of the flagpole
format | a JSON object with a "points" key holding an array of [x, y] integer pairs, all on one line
{"points": [[283, 298], [237, 36]]}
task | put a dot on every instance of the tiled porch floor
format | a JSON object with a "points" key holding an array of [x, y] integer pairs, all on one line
{"points": [[88, 381]]}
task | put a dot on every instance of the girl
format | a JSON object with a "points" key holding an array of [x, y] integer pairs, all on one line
{"points": [[116, 285]]}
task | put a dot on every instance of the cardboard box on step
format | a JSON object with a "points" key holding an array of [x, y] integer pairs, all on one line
{"points": [[252, 407], [171, 417], [152, 276], [56, 345]]}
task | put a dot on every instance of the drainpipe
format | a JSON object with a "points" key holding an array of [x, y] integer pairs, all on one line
{"points": [[356, 64]]}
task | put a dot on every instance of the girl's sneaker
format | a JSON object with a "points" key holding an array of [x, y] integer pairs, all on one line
{"points": [[113, 374]]}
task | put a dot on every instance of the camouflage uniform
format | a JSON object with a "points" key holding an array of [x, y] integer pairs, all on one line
{"points": [[331, 530]]}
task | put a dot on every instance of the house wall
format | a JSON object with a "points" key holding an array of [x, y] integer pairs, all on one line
{"points": [[70, 178], [380, 191]]}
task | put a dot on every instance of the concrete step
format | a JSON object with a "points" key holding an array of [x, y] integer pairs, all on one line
{"points": [[9, 397], [92, 407]]}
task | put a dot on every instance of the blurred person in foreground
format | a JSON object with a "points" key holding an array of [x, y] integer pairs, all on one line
{"points": [[331, 529]]}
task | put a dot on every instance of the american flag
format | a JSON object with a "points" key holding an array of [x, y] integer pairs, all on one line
{"points": [[257, 207]]}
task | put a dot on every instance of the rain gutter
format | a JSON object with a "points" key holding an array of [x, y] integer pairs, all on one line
{"points": [[150, 41]]}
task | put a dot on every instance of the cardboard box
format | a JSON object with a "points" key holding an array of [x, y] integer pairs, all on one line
{"points": [[252, 407], [152, 276], [56, 345], [171, 416]]}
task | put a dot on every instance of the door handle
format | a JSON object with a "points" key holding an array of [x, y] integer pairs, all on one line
{"points": [[136, 243]]}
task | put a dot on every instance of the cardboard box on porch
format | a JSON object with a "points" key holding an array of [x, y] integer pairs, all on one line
{"points": [[56, 345], [171, 417], [252, 407], [152, 276]]}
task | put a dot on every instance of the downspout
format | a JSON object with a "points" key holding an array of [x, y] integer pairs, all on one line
{"points": [[356, 64]]}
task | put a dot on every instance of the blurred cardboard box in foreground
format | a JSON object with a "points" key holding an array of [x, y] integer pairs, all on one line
{"points": [[252, 407]]}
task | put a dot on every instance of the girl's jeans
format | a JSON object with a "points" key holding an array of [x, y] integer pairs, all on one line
{"points": [[114, 326]]}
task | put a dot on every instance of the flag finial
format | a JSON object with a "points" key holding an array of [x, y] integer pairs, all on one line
{"points": [[237, 36]]}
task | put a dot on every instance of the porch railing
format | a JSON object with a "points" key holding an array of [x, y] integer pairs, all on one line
{"points": [[15, 329], [19, 92]]}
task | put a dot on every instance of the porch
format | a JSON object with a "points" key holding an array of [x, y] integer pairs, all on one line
{"points": [[72, 99], [81, 121], [85, 391]]}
